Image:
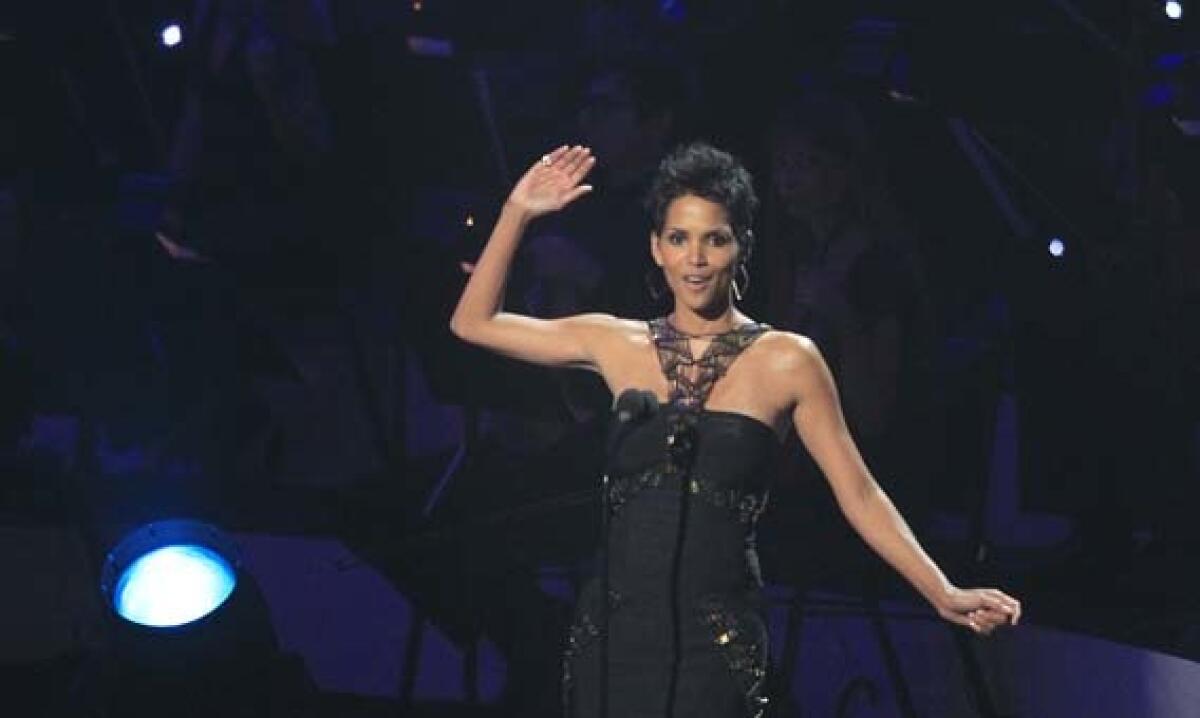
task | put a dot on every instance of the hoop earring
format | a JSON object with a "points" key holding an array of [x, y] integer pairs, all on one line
{"points": [[745, 286], [651, 287]]}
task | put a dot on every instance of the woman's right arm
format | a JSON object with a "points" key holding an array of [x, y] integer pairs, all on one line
{"points": [[549, 185]]}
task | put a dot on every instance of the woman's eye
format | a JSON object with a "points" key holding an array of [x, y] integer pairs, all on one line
{"points": [[677, 238], [719, 240]]}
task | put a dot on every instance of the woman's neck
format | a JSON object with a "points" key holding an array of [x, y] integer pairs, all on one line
{"points": [[697, 324]]}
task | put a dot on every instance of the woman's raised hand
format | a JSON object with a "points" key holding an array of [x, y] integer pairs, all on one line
{"points": [[553, 181]]}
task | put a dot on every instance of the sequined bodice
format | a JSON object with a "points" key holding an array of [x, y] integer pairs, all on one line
{"points": [[722, 457]]}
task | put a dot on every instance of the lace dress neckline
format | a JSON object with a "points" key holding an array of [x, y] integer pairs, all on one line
{"points": [[691, 379]]}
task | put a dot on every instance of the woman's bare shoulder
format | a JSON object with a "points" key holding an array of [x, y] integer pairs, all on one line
{"points": [[789, 351]]}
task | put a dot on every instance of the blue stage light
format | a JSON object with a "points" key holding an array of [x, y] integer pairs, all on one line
{"points": [[1056, 247], [174, 585], [170, 573], [1173, 9]]}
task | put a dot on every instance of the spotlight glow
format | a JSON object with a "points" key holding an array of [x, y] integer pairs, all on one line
{"points": [[1056, 247], [172, 35], [174, 585], [1173, 9]]}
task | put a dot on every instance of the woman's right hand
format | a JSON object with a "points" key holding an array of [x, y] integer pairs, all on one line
{"points": [[553, 181]]}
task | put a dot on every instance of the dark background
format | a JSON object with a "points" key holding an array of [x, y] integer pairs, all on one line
{"points": [[300, 378]]}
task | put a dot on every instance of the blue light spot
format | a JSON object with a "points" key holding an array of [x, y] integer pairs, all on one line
{"points": [[174, 585], [1057, 247], [1173, 9], [1160, 94], [672, 10], [1170, 61]]}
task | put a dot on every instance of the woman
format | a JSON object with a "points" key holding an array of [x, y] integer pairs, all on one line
{"points": [[680, 622]]}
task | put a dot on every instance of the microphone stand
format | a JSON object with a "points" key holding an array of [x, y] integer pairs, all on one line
{"points": [[605, 509], [631, 407], [621, 417]]}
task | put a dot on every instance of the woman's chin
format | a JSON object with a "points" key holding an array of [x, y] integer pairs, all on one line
{"points": [[703, 305]]}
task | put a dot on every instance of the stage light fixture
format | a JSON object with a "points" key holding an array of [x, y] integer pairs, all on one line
{"points": [[170, 573], [191, 633], [1173, 9], [1056, 247]]}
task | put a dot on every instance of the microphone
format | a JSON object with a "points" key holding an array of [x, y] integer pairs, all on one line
{"points": [[635, 404], [632, 407]]}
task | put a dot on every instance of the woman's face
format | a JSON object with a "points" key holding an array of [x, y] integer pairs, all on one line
{"points": [[697, 252]]}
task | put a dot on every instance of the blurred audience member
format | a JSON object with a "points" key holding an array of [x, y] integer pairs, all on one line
{"points": [[1134, 452], [629, 113], [249, 160], [842, 271]]}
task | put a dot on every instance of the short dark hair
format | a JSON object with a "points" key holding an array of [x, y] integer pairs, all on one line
{"points": [[715, 175]]}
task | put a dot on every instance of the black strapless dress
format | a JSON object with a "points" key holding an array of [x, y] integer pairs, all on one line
{"points": [[686, 635]]}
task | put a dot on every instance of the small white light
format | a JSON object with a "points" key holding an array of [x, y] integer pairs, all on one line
{"points": [[1173, 9], [172, 35], [1056, 247]]}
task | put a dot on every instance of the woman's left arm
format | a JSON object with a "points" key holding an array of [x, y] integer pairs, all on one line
{"points": [[819, 422]]}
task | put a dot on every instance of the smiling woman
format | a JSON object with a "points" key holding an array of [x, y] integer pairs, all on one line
{"points": [[673, 625], [702, 204], [696, 251]]}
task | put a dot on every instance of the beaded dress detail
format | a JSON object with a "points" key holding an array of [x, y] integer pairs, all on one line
{"points": [[685, 631]]}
